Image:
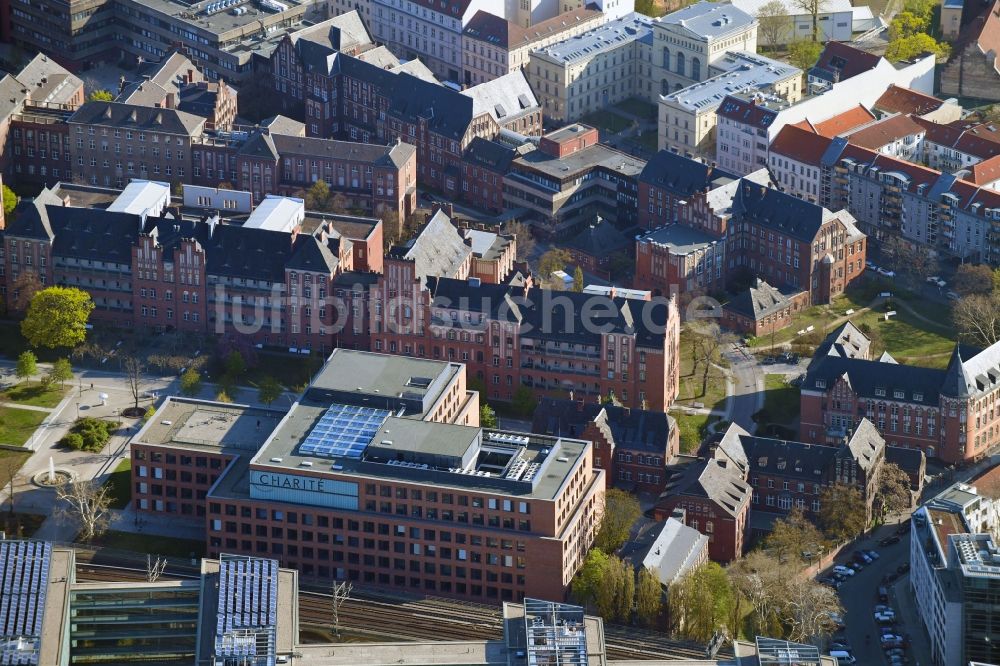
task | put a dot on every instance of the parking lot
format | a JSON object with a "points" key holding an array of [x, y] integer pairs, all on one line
{"points": [[879, 626]]}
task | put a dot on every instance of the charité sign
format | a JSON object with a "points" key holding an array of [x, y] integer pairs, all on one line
{"points": [[303, 489]]}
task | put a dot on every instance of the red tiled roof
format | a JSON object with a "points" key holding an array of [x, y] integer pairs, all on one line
{"points": [[884, 132], [897, 99], [983, 144], [487, 27], [746, 112], [842, 122], [986, 171], [800, 144]]}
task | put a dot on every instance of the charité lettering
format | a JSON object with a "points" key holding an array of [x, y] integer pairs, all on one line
{"points": [[293, 482]]}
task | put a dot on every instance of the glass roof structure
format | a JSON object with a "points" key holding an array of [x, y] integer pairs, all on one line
{"points": [[24, 579], [777, 652], [555, 633], [343, 431], [247, 615]]}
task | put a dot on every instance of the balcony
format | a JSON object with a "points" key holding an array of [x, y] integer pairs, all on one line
{"points": [[543, 367]]}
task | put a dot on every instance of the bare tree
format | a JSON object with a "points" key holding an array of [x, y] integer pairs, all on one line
{"points": [[25, 286], [525, 241], [87, 503], [893, 490], [977, 318], [133, 367], [774, 23], [760, 579], [154, 568], [708, 344], [814, 8], [810, 607], [10, 467]]}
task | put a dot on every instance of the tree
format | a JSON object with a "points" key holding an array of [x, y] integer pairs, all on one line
{"points": [[701, 602], [620, 511], [804, 54], [86, 503], [793, 535], [906, 24], [89, 434], [760, 579], [27, 365], [552, 261], [235, 365], [916, 45], [874, 335], [648, 597], [223, 396], [977, 318], [524, 401], [101, 95], [9, 201], [893, 492], [10, 467], [842, 513], [525, 240], [317, 197], [590, 577], [268, 390], [61, 371], [190, 382], [25, 286], [774, 23], [57, 317], [391, 227], [973, 279], [133, 367], [808, 610], [578, 279], [814, 8], [338, 203], [487, 416], [707, 347]]}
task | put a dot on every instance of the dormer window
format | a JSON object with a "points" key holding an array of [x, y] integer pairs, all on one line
{"points": [[918, 397], [880, 392], [820, 383], [899, 395]]}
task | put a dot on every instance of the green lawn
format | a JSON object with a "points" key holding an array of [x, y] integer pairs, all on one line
{"points": [[292, 371], [691, 382], [607, 121], [637, 107], [648, 140], [120, 483], [34, 394], [16, 425], [692, 429], [151, 544], [781, 402]]}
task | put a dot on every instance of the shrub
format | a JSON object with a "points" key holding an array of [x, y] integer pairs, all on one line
{"points": [[89, 434]]}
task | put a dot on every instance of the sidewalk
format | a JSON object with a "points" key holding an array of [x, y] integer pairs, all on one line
{"points": [[128, 520]]}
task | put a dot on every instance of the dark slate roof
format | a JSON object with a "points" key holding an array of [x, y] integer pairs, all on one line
{"points": [[490, 155], [91, 233], [847, 342], [395, 154], [115, 114], [747, 112], [260, 254], [198, 99], [796, 460], [864, 445], [309, 254], [865, 376], [32, 217], [839, 62], [711, 480], [777, 210], [260, 144], [438, 250], [957, 382], [599, 240], [544, 311], [356, 279], [170, 232], [634, 429], [909, 460], [759, 300], [681, 175]]}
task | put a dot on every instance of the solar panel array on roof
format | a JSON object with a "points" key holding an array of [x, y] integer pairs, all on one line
{"points": [[343, 431], [247, 613], [555, 634], [24, 578]]}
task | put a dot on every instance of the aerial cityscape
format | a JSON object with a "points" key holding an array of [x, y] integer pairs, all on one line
{"points": [[500, 332]]}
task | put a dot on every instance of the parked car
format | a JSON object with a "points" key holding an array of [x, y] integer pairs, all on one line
{"points": [[952, 296], [886, 272], [843, 657], [887, 616], [857, 566], [892, 638], [829, 581], [841, 645], [873, 554], [871, 265], [862, 557], [843, 571], [883, 594], [889, 541]]}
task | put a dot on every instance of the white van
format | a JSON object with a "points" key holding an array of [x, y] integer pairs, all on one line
{"points": [[843, 657]]}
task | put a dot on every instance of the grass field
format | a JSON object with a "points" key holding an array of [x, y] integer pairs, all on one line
{"points": [[293, 372], [34, 394], [691, 428], [16, 425], [637, 107], [607, 121], [120, 483], [691, 382], [781, 401], [151, 544]]}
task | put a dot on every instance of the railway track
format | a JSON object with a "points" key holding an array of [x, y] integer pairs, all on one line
{"points": [[390, 617]]}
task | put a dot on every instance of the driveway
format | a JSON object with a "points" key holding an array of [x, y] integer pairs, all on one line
{"points": [[748, 388], [859, 595]]}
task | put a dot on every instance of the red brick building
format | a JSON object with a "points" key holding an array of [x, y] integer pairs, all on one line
{"points": [[762, 309]]}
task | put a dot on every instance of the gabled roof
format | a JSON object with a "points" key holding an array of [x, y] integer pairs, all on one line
{"points": [[885, 132], [633, 429], [493, 29], [778, 211], [32, 218], [345, 32], [984, 32], [676, 550], [759, 300], [865, 445], [13, 94], [799, 144], [847, 341], [310, 254], [683, 176], [599, 239], [438, 249], [728, 447], [866, 377], [747, 112], [842, 122], [114, 114], [839, 62], [505, 97], [394, 154], [260, 144], [709, 19], [48, 82], [492, 155], [979, 144], [981, 372], [897, 99], [985, 172], [812, 463], [709, 479]]}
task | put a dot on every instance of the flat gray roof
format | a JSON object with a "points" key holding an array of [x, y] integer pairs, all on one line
{"points": [[209, 426], [607, 37], [593, 156], [681, 239], [751, 73]]}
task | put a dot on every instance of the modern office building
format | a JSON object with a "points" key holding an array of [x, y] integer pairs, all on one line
{"points": [[378, 474], [955, 573]]}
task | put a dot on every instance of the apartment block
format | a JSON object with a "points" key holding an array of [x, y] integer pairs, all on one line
{"points": [[569, 179], [493, 46], [687, 118], [944, 413], [489, 515]]}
